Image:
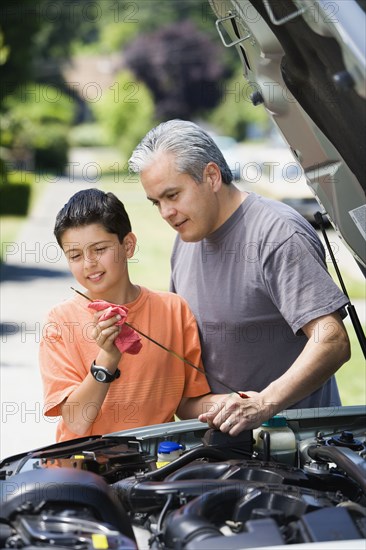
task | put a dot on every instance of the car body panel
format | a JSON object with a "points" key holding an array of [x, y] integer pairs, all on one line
{"points": [[309, 72]]}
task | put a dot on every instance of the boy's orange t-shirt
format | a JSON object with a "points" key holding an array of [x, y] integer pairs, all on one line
{"points": [[152, 383]]}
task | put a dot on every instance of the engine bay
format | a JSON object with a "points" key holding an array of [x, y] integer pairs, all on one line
{"points": [[218, 492]]}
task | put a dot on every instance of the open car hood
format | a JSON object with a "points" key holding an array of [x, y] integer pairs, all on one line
{"points": [[306, 63]]}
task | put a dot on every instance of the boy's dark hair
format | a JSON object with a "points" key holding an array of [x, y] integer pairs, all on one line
{"points": [[93, 206]]}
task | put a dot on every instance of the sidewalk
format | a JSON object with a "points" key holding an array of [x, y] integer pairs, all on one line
{"points": [[33, 279]]}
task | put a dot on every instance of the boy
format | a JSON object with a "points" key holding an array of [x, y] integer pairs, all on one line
{"points": [[94, 387]]}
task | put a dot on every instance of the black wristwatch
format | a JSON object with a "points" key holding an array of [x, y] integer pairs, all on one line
{"points": [[102, 374]]}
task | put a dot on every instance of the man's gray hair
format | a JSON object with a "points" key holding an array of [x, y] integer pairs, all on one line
{"points": [[192, 147]]}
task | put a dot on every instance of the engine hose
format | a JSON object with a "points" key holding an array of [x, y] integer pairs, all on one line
{"points": [[345, 458], [266, 436], [147, 496], [188, 529], [221, 500], [195, 520], [200, 470]]}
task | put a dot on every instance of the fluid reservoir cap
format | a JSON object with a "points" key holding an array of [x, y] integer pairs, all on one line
{"points": [[275, 422], [169, 447]]}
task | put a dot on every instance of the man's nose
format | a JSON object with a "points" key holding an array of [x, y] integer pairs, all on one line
{"points": [[167, 211]]}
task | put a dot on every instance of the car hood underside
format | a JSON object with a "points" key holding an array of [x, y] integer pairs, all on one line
{"points": [[305, 61]]}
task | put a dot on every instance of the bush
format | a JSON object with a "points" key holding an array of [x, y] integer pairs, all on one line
{"points": [[3, 172], [88, 135], [14, 199], [51, 148], [37, 119], [41, 103]]}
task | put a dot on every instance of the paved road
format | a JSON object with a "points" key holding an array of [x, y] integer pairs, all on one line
{"points": [[34, 278]]}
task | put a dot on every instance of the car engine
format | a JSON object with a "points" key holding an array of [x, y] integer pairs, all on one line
{"points": [[218, 492]]}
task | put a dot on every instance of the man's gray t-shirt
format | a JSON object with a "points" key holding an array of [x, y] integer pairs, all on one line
{"points": [[252, 285]]}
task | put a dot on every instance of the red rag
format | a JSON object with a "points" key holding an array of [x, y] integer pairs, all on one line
{"points": [[128, 341]]}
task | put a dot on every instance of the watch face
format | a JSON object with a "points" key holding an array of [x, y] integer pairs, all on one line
{"points": [[100, 376]]}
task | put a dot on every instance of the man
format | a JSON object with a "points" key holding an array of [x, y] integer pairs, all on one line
{"points": [[253, 272]]}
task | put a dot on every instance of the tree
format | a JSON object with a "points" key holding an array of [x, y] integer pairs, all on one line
{"points": [[38, 32], [36, 35], [181, 66], [236, 113], [125, 112], [19, 25]]}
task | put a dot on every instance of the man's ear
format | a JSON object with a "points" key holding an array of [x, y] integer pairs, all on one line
{"points": [[212, 175], [129, 242]]}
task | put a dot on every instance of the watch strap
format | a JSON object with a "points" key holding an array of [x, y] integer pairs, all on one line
{"points": [[102, 374]]}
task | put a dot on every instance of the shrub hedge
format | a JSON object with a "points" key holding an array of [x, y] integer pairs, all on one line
{"points": [[14, 199]]}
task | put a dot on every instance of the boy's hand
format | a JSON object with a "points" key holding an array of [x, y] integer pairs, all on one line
{"points": [[127, 340], [105, 332]]}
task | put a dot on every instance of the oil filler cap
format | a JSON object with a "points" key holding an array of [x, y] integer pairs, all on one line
{"points": [[346, 439]]}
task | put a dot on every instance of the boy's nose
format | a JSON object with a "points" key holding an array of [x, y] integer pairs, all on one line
{"points": [[90, 258]]}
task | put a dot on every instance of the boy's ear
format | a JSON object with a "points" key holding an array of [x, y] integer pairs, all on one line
{"points": [[129, 242]]}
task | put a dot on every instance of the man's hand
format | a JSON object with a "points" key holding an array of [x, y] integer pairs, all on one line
{"points": [[235, 414]]}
